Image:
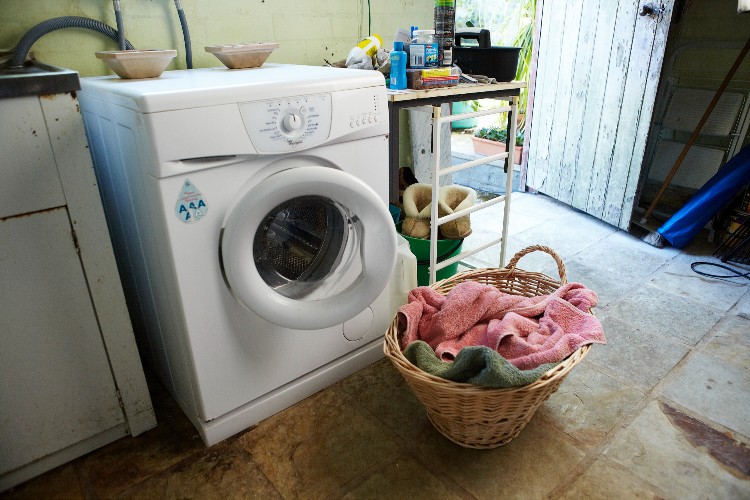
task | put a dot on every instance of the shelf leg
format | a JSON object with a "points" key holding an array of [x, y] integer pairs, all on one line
{"points": [[435, 191], [510, 146]]}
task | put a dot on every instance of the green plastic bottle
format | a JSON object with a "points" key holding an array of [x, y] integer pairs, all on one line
{"points": [[445, 27]]}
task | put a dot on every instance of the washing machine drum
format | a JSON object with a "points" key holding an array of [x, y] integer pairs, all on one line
{"points": [[308, 248]]}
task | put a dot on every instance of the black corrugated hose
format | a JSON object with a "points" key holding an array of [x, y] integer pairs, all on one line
{"points": [[120, 25], [185, 35], [41, 29]]}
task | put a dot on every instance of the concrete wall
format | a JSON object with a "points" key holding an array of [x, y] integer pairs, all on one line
{"points": [[308, 31]]}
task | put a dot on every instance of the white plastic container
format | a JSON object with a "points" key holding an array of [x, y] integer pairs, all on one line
{"points": [[423, 50]]}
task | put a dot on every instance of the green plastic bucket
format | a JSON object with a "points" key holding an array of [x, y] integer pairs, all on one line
{"points": [[461, 107], [421, 250]]}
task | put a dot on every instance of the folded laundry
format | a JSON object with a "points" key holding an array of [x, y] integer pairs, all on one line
{"points": [[478, 365], [527, 331]]}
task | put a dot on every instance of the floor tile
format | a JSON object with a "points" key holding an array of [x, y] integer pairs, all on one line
{"points": [[111, 470], [402, 478], [623, 254], [730, 341], [521, 221], [539, 205], [609, 287], [530, 466], [61, 482], [604, 481], [715, 389], [743, 306], [557, 233], [381, 390], [223, 472], [655, 311], [679, 279], [589, 404], [316, 447], [654, 449], [638, 357]]}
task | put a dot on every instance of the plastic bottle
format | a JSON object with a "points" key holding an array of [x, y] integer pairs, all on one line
{"points": [[398, 66], [423, 50], [367, 47], [445, 25], [371, 44]]}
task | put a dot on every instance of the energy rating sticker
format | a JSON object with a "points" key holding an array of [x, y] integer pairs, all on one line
{"points": [[190, 206]]}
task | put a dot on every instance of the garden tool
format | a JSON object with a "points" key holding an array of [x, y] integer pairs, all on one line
{"points": [[453, 199], [417, 207]]}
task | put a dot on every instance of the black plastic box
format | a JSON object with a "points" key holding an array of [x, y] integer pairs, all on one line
{"points": [[499, 63]]}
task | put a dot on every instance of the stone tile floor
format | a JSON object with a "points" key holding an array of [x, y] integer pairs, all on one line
{"points": [[662, 410]]}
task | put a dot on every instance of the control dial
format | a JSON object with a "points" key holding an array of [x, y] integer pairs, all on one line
{"points": [[291, 123]]}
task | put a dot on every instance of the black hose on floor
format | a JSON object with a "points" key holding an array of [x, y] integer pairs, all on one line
{"points": [[733, 272], [41, 29]]}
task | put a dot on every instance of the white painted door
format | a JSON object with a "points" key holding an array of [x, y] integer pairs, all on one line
{"points": [[597, 74]]}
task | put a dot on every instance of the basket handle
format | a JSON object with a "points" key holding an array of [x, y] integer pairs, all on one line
{"points": [[541, 248]]}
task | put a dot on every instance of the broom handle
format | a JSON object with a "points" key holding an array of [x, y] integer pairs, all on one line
{"points": [[697, 130]]}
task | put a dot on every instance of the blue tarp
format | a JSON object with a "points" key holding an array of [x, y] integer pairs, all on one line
{"points": [[708, 200]]}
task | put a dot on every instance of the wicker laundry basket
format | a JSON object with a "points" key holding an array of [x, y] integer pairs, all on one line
{"points": [[482, 417]]}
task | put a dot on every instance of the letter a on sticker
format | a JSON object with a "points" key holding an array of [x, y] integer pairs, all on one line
{"points": [[190, 206]]}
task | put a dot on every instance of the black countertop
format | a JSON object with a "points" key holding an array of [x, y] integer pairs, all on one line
{"points": [[36, 78]]}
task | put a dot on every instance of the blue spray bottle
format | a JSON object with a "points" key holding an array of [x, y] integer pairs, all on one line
{"points": [[398, 66]]}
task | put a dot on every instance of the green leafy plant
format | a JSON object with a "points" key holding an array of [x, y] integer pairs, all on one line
{"points": [[525, 39], [512, 24], [498, 134]]}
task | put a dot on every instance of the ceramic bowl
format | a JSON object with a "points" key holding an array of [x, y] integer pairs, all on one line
{"points": [[243, 55], [137, 63]]}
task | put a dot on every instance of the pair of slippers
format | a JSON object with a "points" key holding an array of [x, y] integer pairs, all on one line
{"points": [[418, 207]]}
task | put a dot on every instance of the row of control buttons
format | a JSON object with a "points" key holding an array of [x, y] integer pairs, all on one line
{"points": [[364, 120]]}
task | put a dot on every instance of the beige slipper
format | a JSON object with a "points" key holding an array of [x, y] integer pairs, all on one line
{"points": [[417, 207], [452, 199]]}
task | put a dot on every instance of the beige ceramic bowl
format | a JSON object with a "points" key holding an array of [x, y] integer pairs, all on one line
{"points": [[243, 55], [137, 63]]}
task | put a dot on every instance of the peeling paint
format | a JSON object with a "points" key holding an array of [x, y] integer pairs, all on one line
{"points": [[732, 454]]}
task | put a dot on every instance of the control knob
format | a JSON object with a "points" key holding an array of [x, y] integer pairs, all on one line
{"points": [[291, 122]]}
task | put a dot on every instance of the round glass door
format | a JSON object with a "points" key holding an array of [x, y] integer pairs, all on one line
{"points": [[302, 243], [308, 247]]}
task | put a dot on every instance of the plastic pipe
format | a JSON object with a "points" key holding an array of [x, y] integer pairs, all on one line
{"points": [[120, 27], [41, 29], [185, 35]]}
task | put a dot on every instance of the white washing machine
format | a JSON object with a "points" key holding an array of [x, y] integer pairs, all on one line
{"points": [[248, 210]]}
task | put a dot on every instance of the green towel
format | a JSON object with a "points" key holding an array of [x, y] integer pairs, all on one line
{"points": [[478, 365]]}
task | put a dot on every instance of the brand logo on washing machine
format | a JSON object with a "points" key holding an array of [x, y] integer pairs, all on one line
{"points": [[190, 206]]}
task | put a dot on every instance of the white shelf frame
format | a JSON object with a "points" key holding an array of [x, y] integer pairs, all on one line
{"points": [[437, 171]]}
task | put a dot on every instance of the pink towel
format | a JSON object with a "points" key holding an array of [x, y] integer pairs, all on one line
{"points": [[527, 331]]}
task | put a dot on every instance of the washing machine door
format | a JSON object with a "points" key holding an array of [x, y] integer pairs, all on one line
{"points": [[308, 248]]}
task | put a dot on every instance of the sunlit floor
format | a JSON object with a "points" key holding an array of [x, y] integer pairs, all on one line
{"points": [[662, 410]]}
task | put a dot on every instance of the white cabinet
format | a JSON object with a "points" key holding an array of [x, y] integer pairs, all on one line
{"points": [[71, 379]]}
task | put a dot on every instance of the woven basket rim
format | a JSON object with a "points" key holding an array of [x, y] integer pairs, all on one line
{"points": [[392, 349]]}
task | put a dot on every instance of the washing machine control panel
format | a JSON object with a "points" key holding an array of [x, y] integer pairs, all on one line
{"points": [[291, 124]]}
